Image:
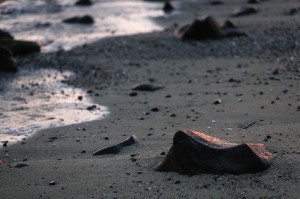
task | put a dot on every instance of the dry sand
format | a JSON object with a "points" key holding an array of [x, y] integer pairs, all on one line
{"points": [[194, 74]]}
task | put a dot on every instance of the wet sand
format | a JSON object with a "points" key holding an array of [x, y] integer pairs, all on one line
{"points": [[194, 75]]}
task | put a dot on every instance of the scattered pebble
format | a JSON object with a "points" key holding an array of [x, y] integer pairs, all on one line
{"points": [[52, 183]]}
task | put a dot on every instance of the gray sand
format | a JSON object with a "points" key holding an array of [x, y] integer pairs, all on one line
{"points": [[194, 74]]}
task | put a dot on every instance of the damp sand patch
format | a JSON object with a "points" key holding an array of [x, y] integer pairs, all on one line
{"points": [[40, 99]]}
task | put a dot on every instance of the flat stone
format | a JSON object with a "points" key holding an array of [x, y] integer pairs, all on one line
{"points": [[146, 87], [193, 153], [83, 3], [244, 10], [115, 149], [5, 35], [20, 47], [86, 19]]}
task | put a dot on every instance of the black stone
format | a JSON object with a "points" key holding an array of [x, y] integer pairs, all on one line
{"points": [[244, 10], [20, 47], [7, 61], [193, 153], [147, 87], [21, 165], [168, 7], [115, 149], [86, 19], [201, 29], [83, 3]]}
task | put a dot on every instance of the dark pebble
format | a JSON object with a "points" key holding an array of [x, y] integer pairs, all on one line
{"points": [[52, 183], [133, 94], [80, 20], [84, 3], [155, 109], [21, 165]]}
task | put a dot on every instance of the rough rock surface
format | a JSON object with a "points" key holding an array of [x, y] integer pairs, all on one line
{"points": [[195, 153]]}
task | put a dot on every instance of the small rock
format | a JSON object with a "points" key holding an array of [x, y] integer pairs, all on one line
{"points": [[253, 1], [80, 98], [133, 94], [216, 2], [21, 165], [91, 108], [201, 29], [86, 19], [168, 7], [177, 182], [115, 149], [218, 101], [52, 183], [4, 143], [155, 109], [147, 87], [83, 3], [83, 151], [244, 10]]}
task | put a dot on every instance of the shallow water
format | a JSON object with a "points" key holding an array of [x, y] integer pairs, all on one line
{"points": [[39, 99], [41, 20], [32, 100]]}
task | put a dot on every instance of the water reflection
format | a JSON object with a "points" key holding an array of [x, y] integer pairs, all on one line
{"points": [[40, 99], [41, 21]]}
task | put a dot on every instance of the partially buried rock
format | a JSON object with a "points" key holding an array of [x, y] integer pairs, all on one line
{"points": [[253, 1], [86, 19], [244, 10], [196, 153], [147, 87], [115, 149], [7, 62], [20, 47], [83, 3]]}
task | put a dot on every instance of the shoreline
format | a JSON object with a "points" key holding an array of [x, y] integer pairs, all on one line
{"points": [[193, 74]]}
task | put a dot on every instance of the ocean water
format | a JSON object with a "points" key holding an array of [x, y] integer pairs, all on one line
{"points": [[41, 20], [31, 100]]}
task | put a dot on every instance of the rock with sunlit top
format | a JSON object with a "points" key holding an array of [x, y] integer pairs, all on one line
{"points": [[197, 153]]}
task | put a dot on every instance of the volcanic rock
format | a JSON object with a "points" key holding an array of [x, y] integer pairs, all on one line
{"points": [[115, 149], [196, 153]]}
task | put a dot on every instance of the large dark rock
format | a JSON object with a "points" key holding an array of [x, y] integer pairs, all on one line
{"points": [[7, 61], [115, 149], [5, 35], [86, 19], [196, 153], [201, 29], [83, 3], [19, 47], [208, 28]]}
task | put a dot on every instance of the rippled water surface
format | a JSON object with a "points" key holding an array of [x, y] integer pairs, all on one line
{"points": [[34, 100], [41, 20]]}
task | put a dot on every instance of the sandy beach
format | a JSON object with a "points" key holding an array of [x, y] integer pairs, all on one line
{"points": [[257, 79]]}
